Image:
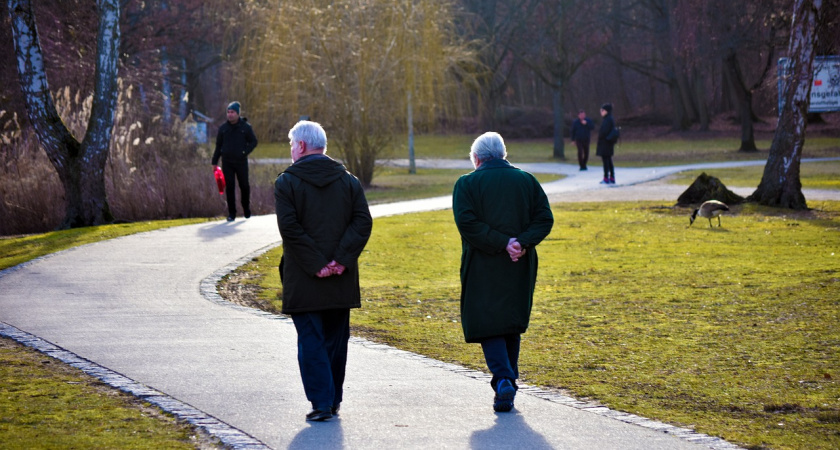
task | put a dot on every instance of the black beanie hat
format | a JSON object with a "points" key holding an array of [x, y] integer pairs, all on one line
{"points": [[607, 107], [234, 106]]}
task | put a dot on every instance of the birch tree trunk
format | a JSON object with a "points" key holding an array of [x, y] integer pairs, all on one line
{"points": [[780, 185], [80, 165]]}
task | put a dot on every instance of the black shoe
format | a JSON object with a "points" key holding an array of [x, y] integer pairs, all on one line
{"points": [[248, 214], [317, 415], [505, 392], [583, 168], [335, 409], [230, 219]]}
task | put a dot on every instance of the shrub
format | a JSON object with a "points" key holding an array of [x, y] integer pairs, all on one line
{"points": [[154, 171]]}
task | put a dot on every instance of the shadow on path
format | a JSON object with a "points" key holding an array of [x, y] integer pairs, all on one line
{"points": [[509, 431], [320, 435], [219, 230]]}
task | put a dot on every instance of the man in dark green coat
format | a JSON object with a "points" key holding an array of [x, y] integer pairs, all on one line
{"points": [[325, 224], [502, 213]]}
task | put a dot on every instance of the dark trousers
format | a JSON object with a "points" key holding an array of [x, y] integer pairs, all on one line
{"points": [[583, 153], [322, 355], [502, 356], [239, 171], [609, 169]]}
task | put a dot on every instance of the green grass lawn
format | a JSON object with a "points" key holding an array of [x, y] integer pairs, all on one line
{"points": [[731, 331], [667, 150], [395, 184], [47, 405], [814, 175]]}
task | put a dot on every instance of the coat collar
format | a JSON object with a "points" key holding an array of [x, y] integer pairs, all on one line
{"points": [[495, 163]]}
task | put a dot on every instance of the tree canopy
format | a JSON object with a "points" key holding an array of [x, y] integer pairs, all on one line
{"points": [[350, 65]]}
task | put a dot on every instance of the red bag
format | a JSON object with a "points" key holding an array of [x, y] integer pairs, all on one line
{"points": [[220, 179]]}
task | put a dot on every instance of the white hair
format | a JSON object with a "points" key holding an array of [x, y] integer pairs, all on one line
{"points": [[489, 145], [311, 133]]}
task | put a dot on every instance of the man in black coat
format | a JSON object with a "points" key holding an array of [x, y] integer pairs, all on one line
{"points": [[607, 137], [581, 135], [325, 223], [234, 142], [502, 213]]}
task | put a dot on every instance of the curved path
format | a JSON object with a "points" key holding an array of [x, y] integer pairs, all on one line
{"points": [[141, 313]]}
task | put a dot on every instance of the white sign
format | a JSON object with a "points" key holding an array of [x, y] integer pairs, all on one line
{"points": [[825, 84], [825, 90]]}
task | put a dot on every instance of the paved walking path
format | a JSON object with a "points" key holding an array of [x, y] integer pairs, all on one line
{"points": [[141, 312]]}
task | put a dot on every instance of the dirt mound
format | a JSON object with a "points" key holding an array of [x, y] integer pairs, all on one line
{"points": [[707, 187]]}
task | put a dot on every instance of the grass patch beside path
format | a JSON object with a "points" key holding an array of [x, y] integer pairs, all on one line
{"points": [[731, 331], [814, 175], [657, 151], [673, 151], [395, 184], [18, 249], [47, 404]]}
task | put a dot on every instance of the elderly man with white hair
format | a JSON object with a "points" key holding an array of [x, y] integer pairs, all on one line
{"points": [[325, 224], [502, 213]]}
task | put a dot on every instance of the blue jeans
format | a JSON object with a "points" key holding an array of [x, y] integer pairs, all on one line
{"points": [[502, 356], [322, 355]]}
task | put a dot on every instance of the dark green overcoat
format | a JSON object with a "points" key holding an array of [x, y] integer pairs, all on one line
{"points": [[492, 204], [323, 215]]}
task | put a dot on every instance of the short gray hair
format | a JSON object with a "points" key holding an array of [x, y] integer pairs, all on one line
{"points": [[312, 133], [489, 145]]}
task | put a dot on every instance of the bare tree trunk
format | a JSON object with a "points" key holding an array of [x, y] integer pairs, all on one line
{"points": [[680, 119], [80, 165], [559, 150], [780, 185], [700, 98], [687, 92], [744, 101], [617, 38]]}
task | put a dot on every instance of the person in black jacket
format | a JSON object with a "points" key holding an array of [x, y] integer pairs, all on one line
{"points": [[581, 135], [234, 142], [607, 137], [325, 223]]}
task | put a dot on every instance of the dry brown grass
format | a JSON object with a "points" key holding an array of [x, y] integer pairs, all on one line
{"points": [[153, 172]]}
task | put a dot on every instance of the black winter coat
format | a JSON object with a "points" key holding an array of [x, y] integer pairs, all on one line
{"points": [[322, 215], [234, 142], [492, 204], [607, 137], [581, 132]]}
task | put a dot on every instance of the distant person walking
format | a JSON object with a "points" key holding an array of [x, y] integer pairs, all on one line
{"points": [[234, 142], [325, 223], [607, 137], [502, 213], [581, 135]]}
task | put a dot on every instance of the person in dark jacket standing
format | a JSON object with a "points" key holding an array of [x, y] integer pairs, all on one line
{"points": [[607, 137], [502, 213], [234, 142], [581, 135], [324, 223]]}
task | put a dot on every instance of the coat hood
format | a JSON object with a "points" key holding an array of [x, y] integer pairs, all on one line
{"points": [[318, 171]]}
